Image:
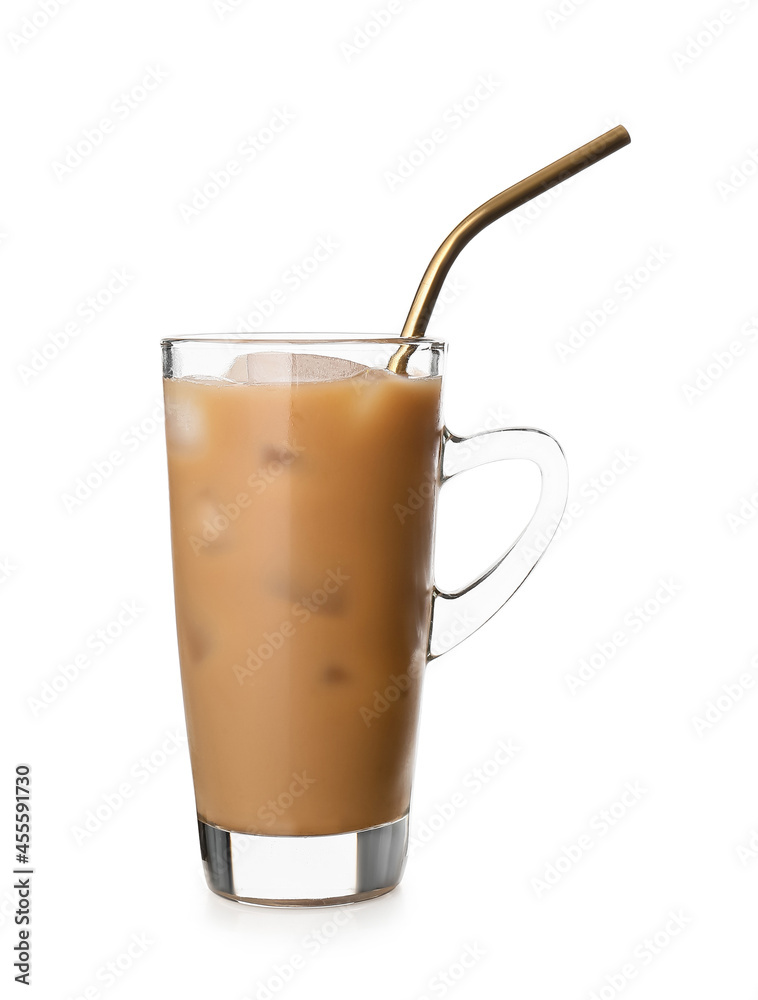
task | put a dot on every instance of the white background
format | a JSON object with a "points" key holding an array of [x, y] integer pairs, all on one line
{"points": [[557, 80]]}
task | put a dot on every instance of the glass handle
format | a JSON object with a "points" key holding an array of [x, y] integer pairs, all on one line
{"points": [[456, 615]]}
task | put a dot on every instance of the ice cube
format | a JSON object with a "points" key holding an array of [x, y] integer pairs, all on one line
{"points": [[196, 641], [209, 528], [281, 366], [256, 368], [185, 423], [308, 591], [335, 673]]}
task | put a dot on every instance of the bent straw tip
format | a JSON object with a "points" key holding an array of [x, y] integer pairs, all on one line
{"points": [[620, 135]]}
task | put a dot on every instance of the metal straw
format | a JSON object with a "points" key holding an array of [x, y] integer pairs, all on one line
{"points": [[508, 200]]}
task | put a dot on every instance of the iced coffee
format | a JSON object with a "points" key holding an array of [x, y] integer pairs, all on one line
{"points": [[302, 514]]}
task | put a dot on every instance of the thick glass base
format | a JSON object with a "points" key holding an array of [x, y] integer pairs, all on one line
{"points": [[304, 871]]}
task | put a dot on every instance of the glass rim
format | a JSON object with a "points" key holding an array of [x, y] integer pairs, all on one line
{"points": [[298, 339]]}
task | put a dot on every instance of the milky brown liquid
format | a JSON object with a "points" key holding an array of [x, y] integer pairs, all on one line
{"points": [[302, 524]]}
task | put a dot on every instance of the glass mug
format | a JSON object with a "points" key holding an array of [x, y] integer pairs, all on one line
{"points": [[303, 477]]}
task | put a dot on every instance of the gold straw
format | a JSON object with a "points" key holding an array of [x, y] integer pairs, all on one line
{"points": [[508, 200]]}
